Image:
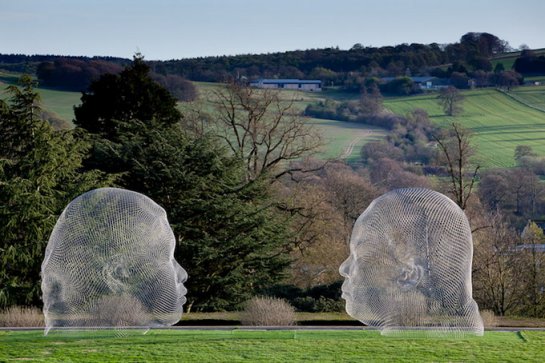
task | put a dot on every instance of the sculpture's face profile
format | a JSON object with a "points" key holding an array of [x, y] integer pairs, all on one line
{"points": [[380, 270], [410, 264], [110, 262]]}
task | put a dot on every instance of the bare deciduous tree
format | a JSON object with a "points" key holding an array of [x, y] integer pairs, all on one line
{"points": [[456, 152], [323, 208], [263, 129], [534, 277], [451, 100], [497, 268]]}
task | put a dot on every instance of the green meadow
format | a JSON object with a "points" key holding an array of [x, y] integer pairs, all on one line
{"points": [[341, 139], [236, 345], [498, 121], [59, 103]]}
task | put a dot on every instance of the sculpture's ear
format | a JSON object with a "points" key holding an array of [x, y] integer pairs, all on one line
{"points": [[410, 276]]}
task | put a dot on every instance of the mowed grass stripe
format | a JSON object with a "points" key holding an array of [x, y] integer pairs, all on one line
{"points": [[270, 346], [499, 123], [534, 96]]}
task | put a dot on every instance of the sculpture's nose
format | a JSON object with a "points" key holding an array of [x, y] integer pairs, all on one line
{"points": [[181, 274], [344, 269]]}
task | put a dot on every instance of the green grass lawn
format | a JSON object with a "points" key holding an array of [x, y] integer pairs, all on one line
{"points": [[499, 122], [268, 346]]}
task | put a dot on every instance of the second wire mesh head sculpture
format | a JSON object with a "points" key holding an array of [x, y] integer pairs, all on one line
{"points": [[410, 265]]}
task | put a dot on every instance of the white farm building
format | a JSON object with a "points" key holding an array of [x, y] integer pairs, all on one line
{"points": [[296, 84]]}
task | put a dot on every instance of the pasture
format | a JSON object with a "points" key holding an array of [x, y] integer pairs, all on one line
{"points": [[59, 103], [290, 345], [499, 122], [342, 139]]}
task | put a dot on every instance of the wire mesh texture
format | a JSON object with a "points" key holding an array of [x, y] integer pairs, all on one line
{"points": [[409, 267], [110, 263]]}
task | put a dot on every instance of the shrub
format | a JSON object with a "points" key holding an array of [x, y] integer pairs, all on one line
{"points": [[320, 298], [268, 311], [118, 311], [489, 319], [21, 316]]}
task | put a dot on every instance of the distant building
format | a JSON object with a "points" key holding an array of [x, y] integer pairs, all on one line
{"points": [[429, 82], [295, 84]]}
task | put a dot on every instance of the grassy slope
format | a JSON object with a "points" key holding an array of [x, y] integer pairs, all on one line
{"points": [[343, 139], [270, 346], [59, 103], [499, 122]]}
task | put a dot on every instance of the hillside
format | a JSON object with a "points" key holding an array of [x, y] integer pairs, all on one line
{"points": [[499, 122], [343, 139], [59, 104]]}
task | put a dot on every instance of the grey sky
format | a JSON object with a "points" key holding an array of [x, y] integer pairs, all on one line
{"points": [[173, 29]]}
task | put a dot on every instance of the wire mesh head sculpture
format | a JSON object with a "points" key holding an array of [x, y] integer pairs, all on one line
{"points": [[410, 265], [110, 263]]}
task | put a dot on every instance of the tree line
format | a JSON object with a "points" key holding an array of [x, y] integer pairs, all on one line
{"points": [[348, 69]]}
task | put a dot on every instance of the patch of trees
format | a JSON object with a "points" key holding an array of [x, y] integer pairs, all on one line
{"points": [[402, 158], [78, 74], [330, 64], [530, 63], [367, 110], [29, 63], [179, 87], [400, 86], [347, 69], [73, 74], [351, 111], [518, 192]]}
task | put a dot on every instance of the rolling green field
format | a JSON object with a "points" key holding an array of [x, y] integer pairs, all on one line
{"points": [[499, 122], [342, 139], [59, 103], [268, 346], [532, 96]]}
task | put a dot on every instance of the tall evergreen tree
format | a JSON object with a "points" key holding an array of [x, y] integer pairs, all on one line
{"points": [[122, 98], [39, 174]]}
